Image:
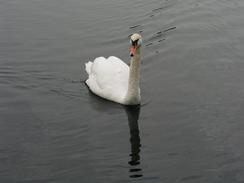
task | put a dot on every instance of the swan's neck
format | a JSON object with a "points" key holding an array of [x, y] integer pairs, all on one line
{"points": [[133, 94]]}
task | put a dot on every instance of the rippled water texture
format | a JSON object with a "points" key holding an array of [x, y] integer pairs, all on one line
{"points": [[190, 127]]}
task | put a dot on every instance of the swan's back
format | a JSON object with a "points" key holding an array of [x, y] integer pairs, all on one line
{"points": [[108, 78]]}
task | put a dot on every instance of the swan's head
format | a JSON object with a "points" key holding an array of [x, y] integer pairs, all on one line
{"points": [[136, 41]]}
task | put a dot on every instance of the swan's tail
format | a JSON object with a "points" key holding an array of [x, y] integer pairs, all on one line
{"points": [[88, 67]]}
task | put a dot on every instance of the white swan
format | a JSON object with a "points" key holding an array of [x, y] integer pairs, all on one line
{"points": [[114, 80]]}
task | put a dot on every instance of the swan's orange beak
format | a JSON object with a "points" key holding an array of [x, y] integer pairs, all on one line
{"points": [[132, 50]]}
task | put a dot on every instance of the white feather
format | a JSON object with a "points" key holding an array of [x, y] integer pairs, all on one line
{"points": [[114, 80], [108, 78]]}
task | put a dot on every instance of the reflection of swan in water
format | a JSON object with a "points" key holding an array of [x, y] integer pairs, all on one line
{"points": [[133, 115], [132, 112]]}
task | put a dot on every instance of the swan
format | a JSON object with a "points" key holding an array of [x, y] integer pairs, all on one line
{"points": [[113, 79]]}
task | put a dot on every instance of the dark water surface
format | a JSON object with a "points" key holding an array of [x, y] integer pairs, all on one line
{"points": [[190, 127]]}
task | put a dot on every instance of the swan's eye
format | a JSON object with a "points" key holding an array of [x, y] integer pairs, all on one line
{"points": [[139, 42]]}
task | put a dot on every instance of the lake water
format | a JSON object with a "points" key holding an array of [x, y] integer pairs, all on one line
{"points": [[190, 126]]}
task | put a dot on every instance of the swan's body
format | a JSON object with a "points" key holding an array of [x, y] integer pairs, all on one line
{"points": [[114, 80]]}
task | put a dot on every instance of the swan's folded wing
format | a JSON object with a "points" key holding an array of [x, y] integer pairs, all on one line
{"points": [[88, 67], [109, 77]]}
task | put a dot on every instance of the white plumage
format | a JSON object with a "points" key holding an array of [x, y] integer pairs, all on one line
{"points": [[108, 78], [114, 80]]}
